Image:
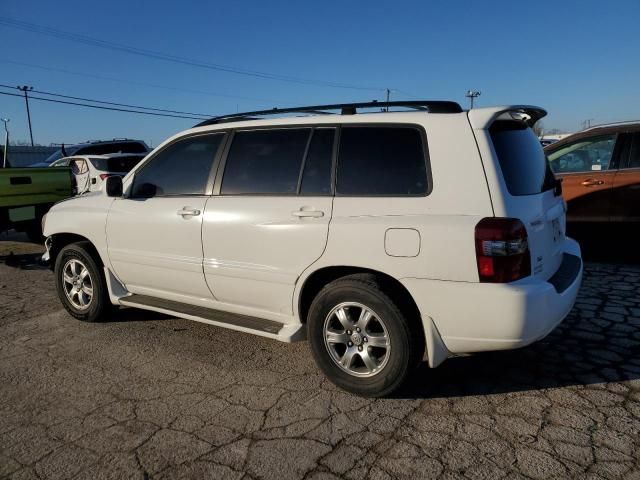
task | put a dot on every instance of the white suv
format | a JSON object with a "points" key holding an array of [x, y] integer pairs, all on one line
{"points": [[90, 171], [383, 238]]}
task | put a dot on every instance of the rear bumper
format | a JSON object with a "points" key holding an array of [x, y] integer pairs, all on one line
{"points": [[475, 317]]}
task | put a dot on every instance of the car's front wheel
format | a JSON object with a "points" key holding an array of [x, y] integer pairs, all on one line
{"points": [[359, 337], [80, 283]]}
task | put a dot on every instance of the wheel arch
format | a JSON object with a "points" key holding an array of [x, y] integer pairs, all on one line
{"points": [[61, 240], [434, 348], [316, 280]]}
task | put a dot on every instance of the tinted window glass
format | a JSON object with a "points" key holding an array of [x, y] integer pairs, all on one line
{"points": [[180, 169], [585, 155], [522, 160], [265, 161], [634, 155], [316, 179], [381, 161], [116, 164], [114, 147]]}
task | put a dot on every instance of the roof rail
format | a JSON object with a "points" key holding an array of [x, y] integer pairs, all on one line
{"points": [[431, 106]]}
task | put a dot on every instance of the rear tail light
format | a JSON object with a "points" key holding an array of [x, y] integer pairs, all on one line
{"points": [[104, 176], [502, 250]]}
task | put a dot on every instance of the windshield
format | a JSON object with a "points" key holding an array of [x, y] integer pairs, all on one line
{"points": [[57, 155], [523, 163]]}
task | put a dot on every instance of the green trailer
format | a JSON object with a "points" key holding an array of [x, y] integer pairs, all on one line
{"points": [[26, 194]]}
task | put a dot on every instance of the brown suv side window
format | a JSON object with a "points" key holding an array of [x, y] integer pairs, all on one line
{"points": [[585, 155]]}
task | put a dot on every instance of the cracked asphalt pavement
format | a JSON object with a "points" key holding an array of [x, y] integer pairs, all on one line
{"points": [[149, 396]]}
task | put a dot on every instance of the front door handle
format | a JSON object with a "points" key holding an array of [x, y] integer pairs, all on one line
{"points": [[307, 213], [590, 182], [188, 212]]}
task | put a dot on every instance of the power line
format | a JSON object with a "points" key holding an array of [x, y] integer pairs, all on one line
{"points": [[99, 107], [84, 39], [104, 102], [142, 84]]}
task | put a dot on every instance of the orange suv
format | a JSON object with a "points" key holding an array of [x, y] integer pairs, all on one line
{"points": [[600, 172]]}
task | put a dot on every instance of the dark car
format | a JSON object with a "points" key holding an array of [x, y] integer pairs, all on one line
{"points": [[600, 172], [97, 147]]}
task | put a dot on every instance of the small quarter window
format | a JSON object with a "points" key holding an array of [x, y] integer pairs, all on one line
{"points": [[316, 178], [379, 161]]}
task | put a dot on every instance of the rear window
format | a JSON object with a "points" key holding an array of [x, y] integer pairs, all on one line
{"points": [[114, 147], [523, 163], [119, 164]]}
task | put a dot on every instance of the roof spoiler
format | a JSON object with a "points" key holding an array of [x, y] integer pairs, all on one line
{"points": [[482, 118]]}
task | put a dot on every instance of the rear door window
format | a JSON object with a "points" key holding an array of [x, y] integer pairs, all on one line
{"points": [[381, 161], [265, 162], [634, 153], [523, 163]]}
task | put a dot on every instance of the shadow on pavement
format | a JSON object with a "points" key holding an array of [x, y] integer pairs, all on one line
{"points": [[608, 243], [598, 342], [23, 261]]}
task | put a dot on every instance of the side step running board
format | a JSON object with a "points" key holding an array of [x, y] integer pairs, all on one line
{"points": [[243, 321]]}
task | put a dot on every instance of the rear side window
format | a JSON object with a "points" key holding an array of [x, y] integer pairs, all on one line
{"points": [[182, 168], [381, 161], [265, 162], [117, 164], [523, 163]]}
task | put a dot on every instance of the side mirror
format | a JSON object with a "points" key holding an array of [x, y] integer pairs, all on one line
{"points": [[113, 186]]}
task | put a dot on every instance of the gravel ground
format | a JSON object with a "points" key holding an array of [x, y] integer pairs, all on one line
{"points": [[148, 396]]}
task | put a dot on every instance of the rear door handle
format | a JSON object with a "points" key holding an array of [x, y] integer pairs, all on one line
{"points": [[590, 182], [307, 213], [188, 212]]}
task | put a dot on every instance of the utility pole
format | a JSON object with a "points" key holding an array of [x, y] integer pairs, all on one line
{"points": [[388, 96], [6, 142], [25, 89], [586, 123], [471, 94]]}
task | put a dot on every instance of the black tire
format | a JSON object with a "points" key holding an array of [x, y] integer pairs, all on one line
{"points": [[405, 338], [99, 307]]}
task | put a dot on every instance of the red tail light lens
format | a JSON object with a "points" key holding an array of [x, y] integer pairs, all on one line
{"points": [[103, 176], [502, 250]]}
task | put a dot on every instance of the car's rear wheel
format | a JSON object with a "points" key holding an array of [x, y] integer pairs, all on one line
{"points": [[360, 338], [80, 283]]}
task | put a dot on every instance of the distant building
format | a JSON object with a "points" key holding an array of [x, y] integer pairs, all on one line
{"points": [[556, 136], [23, 156]]}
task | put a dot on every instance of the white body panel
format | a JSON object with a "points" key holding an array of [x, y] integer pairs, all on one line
{"points": [[156, 251], [255, 248], [250, 255]]}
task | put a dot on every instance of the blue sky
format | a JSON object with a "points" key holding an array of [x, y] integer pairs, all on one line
{"points": [[578, 59]]}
